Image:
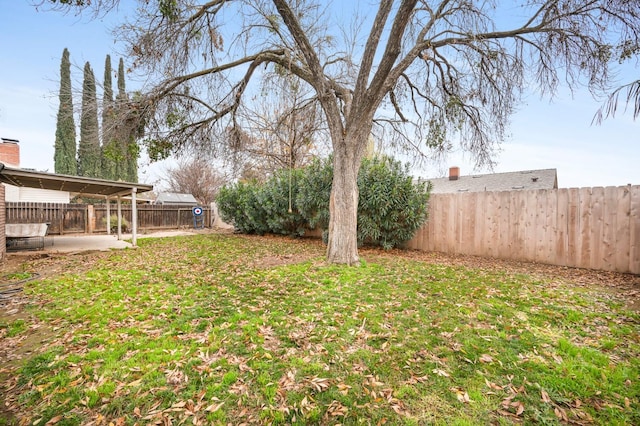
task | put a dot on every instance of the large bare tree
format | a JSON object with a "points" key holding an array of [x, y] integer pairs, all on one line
{"points": [[420, 68], [283, 129], [197, 176]]}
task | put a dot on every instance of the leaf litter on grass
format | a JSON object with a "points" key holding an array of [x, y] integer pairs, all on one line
{"points": [[216, 329]]}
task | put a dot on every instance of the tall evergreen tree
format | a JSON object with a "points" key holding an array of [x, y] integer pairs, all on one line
{"points": [[65, 146], [110, 152], [89, 146], [127, 134]]}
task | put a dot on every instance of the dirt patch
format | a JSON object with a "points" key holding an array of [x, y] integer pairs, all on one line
{"points": [[12, 307]]}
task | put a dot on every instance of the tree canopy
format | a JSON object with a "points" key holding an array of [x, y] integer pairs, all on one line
{"points": [[416, 73], [65, 145], [89, 145]]}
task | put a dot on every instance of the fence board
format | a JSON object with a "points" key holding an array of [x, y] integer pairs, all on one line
{"points": [[622, 234], [560, 237], [481, 220], [597, 220], [634, 230], [585, 228], [503, 218], [609, 231], [530, 237], [447, 215], [470, 218], [453, 225], [541, 226], [494, 214], [573, 226]]}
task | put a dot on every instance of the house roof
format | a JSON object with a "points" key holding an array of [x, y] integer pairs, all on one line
{"points": [[176, 198], [509, 181], [76, 184]]}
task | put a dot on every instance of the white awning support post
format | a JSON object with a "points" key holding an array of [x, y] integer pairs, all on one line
{"points": [[119, 218], [108, 216], [134, 217]]}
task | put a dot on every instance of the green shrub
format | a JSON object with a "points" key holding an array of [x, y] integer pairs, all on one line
{"points": [[114, 223], [313, 194], [277, 198], [391, 208], [240, 204]]}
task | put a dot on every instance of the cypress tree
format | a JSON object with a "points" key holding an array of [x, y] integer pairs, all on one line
{"points": [[64, 156], [110, 152], [89, 146], [127, 133]]}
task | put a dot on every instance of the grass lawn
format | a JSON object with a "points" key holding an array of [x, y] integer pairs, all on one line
{"points": [[218, 329]]}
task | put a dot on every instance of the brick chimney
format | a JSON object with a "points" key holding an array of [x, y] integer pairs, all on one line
{"points": [[454, 173], [10, 152]]}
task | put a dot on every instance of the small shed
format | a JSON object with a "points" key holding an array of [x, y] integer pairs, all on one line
{"points": [[176, 199]]}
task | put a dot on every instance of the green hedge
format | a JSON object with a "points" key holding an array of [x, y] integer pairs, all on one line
{"points": [[391, 206]]}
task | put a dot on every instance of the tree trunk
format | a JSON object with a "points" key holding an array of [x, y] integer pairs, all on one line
{"points": [[343, 205]]}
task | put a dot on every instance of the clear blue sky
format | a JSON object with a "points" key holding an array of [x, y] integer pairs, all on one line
{"points": [[543, 134]]}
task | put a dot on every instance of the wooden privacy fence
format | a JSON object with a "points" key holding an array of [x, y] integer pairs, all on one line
{"points": [[87, 218], [596, 228], [62, 218]]}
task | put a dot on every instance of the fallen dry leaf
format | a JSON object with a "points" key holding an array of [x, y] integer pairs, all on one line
{"points": [[336, 409], [319, 384], [461, 394], [134, 383], [214, 407], [55, 420], [486, 358], [561, 414], [519, 407], [440, 372], [492, 385], [343, 388]]}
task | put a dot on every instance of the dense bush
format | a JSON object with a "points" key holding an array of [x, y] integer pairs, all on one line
{"points": [[313, 194], [391, 208], [240, 204], [277, 197]]}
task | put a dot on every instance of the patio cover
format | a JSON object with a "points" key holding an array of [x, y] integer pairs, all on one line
{"points": [[77, 184]]}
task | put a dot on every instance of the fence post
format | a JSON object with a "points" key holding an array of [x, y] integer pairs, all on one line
{"points": [[91, 219], [3, 220]]}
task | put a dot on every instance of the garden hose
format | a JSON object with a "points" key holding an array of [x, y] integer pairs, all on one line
{"points": [[9, 288]]}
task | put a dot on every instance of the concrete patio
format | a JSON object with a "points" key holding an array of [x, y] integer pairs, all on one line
{"points": [[83, 242]]}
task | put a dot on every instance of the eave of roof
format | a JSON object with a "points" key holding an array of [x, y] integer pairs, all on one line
{"points": [[176, 197], [76, 184]]}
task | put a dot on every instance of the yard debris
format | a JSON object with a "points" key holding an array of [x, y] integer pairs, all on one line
{"points": [[461, 394], [319, 384], [486, 358], [440, 372], [336, 409]]}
